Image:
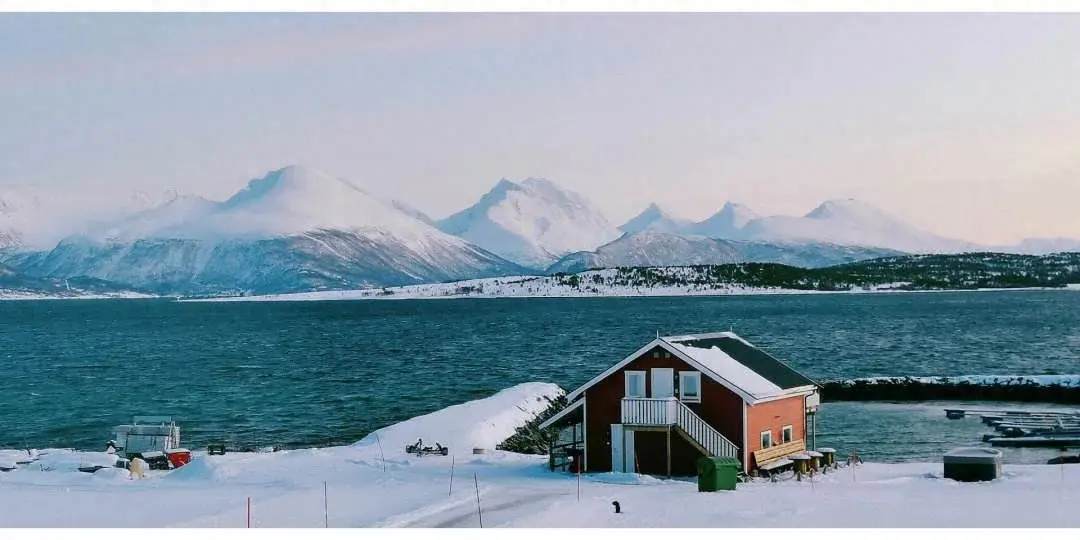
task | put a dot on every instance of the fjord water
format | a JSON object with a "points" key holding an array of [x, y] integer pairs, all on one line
{"points": [[313, 373]]}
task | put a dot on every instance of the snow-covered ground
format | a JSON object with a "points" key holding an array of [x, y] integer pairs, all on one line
{"points": [[373, 483]]}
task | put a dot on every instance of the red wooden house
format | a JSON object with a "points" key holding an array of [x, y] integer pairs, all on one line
{"points": [[683, 397]]}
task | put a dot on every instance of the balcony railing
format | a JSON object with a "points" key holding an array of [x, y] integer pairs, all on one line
{"points": [[649, 411]]}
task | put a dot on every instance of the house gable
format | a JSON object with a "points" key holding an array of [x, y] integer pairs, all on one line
{"points": [[660, 346]]}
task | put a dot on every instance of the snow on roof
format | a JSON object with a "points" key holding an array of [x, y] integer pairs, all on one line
{"points": [[727, 368]]}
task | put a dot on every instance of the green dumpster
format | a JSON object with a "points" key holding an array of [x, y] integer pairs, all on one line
{"points": [[718, 473]]}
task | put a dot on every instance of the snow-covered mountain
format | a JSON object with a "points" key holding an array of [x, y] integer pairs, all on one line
{"points": [[294, 229], [531, 223], [727, 223], [652, 248], [849, 222], [654, 218], [17, 214], [38, 219], [1042, 246]]}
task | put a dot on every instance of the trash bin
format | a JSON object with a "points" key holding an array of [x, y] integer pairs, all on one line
{"points": [[718, 473]]}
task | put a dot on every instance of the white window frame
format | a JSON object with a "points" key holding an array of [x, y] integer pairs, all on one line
{"points": [[784, 434], [762, 437], [626, 383], [683, 375]]}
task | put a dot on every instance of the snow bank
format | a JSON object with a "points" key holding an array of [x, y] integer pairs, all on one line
{"points": [[1068, 381], [482, 423]]}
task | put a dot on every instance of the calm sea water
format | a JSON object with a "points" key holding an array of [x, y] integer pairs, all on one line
{"points": [[313, 373]]}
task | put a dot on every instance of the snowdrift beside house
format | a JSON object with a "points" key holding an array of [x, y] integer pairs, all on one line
{"points": [[483, 423]]}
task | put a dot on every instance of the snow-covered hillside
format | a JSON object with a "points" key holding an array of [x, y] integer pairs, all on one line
{"points": [[656, 219], [532, 223], [597, 283], [294, 229], [374, 483], [653, 248]]}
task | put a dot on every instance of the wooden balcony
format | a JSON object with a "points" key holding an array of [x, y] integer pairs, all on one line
{"points": [[649, 411]]}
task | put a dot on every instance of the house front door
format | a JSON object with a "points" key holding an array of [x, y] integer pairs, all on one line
{"points": [[663, 383], [618, 459]]}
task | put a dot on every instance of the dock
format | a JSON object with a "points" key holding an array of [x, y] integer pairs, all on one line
{"points": [[1026, 429], [999, 414]]}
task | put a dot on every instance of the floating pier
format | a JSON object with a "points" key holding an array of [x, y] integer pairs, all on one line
{"points": [[998, 414], [1034, 429]]}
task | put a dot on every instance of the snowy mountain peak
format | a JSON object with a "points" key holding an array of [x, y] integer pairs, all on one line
{"points": [[849, 209], [295, 186], [532, 223], [653, 218], [727, 223]]}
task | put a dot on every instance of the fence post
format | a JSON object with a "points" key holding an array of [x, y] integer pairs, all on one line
{"points": [[452, 460]]}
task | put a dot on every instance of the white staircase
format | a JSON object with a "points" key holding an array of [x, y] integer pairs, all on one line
{"points": [[670, 412]]}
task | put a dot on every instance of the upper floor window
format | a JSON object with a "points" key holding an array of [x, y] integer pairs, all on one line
{"points": [[635, 384], [690, 386]]}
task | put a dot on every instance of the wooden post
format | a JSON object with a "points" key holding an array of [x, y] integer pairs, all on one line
{"points": [[249, 512], [669, 451]]}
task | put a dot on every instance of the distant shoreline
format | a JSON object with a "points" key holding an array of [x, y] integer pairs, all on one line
{"points": [[374, 294], [407, 293]]}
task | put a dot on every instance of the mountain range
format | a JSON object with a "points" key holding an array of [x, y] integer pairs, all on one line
{"points": [[301, 229]]}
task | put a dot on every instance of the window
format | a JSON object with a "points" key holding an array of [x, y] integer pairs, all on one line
{"points": [[786, 434], [766, 439], [635, 384], [690, 386]]}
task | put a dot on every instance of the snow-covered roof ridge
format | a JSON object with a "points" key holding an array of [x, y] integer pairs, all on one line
{"points": [[710, 335]]}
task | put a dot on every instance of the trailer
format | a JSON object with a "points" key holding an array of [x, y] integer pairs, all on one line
{"points": [[154, 439]]}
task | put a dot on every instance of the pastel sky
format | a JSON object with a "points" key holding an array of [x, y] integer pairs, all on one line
{"points": [[964, 125]]}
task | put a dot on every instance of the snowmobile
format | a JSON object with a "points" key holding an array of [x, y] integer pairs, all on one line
{"points": [[420, 450]]}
